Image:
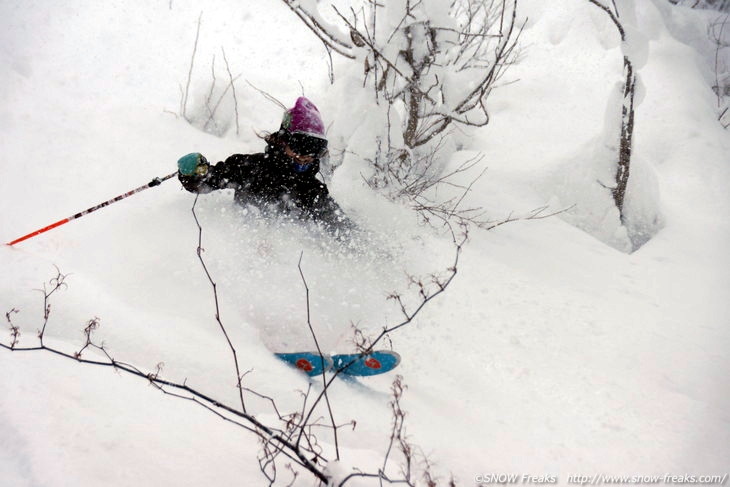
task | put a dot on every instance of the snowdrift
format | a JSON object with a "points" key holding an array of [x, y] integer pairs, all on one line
{"points": [[554, 352]]}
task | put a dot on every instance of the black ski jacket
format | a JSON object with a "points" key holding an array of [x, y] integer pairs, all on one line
{"points": [[267, 181]]}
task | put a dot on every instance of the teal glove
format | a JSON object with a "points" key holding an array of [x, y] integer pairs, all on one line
{"points": [[194, 163]]}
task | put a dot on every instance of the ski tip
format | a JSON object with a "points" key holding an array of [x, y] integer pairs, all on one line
{"points": [[311, 363]]}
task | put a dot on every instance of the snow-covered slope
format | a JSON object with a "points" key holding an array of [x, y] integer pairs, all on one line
{"points": [[551, 353]]}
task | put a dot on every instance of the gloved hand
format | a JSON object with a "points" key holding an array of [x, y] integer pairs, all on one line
{"points": [[194, 163]]}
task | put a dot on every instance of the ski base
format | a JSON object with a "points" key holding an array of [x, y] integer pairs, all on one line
{"points": [[351, 364], [375, 363]]}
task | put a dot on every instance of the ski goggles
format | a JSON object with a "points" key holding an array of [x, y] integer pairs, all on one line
{"points": [[307, 145]]}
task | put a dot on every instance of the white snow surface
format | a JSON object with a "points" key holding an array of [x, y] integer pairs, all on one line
{"points": [[555, 351]]}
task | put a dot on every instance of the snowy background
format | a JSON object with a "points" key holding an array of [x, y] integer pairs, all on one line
{"points": [[554, 351]]}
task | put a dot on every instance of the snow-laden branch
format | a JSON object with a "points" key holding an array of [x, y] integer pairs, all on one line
{"points": [[327, 33], [438, 62]]}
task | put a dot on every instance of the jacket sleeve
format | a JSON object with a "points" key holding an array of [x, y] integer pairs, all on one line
{"points": [[234, 172]]}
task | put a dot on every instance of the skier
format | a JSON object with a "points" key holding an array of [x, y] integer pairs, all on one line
{"points": [[282, 178]]}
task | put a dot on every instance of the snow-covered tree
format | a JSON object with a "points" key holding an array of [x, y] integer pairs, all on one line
{"points": [[432, 63], [418, 69]]}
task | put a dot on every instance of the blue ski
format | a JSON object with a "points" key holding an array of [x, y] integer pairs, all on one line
{"points": [[351, 364]]}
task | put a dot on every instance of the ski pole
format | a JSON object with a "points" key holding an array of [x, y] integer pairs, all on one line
{"points": [[154, 182]]}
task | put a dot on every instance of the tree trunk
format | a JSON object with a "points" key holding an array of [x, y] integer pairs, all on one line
{"points": [[627, 134]]}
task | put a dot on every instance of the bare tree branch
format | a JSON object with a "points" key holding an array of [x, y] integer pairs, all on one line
{"points": [[199, 252], [613, 14], [233, 88], [184, 100]]}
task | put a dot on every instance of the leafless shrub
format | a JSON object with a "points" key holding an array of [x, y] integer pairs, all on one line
{"points": [[290, 443], [278, 441], [433, 72], [206, 115], [475, 42], [403, 462]]}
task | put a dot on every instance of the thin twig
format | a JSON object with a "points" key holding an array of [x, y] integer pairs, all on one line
{"points": [[322, 364], [409, 317], [250, 423], [57, 282], [268, 96], [233, 87], [199, 252], [184, 101]]}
